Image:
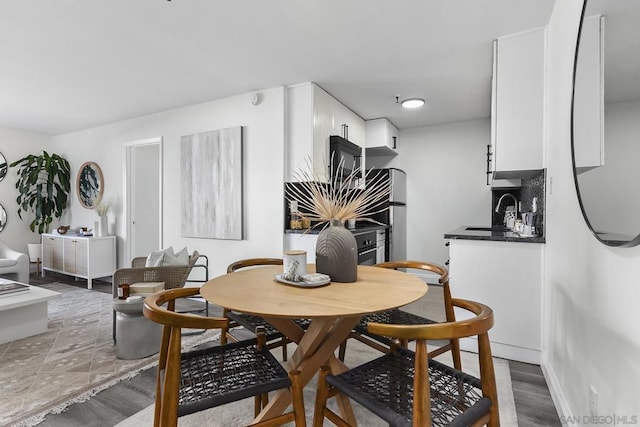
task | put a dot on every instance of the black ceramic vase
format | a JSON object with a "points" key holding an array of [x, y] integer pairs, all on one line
{"points": [[337, 253]]}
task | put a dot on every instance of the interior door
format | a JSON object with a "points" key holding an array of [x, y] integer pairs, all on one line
{"points": [[144, 196]]}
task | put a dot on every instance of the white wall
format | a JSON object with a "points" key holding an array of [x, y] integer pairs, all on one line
{"points": [[446, 183], [608, 192], [263, 171], [14, 145], [591, 292]]}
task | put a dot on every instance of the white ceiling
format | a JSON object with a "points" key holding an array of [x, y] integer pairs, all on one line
{"points": [[67, 65]]}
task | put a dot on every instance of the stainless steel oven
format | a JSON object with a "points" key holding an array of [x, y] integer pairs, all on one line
{"points": [[367, 250], [381, 239]]}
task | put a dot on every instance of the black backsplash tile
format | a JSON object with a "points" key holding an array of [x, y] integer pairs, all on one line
{"points": [[531, 187], [289, 195]]}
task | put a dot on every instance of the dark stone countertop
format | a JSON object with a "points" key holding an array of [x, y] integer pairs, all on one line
{"points": [[360, 228], [496, 234]]}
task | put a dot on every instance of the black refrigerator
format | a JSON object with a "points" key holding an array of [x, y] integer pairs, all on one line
{"points": [[396, 213]]}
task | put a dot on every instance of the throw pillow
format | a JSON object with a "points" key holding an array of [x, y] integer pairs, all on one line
{"points": [[180, 258], [183, 256], [155, 259]]}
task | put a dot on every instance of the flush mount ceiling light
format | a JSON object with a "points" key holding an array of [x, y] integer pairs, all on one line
{"points": [[412, 103]]}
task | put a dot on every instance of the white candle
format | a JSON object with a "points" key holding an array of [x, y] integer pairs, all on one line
{"points": [[294, 264]]}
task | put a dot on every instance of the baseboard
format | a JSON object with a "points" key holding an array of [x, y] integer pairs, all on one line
{"points": [[429, 277], [557, 395], [504, 351]]}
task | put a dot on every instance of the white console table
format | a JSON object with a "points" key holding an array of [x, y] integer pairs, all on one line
{"points": [[79, 256], [24, 314]]}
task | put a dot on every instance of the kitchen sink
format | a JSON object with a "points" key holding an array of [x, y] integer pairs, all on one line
{"points": [[498, 229], [479, 229]]}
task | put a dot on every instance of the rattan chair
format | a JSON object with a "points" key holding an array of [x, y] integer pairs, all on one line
{"points": [[407, 388], [201, 379], [398, 316], [173, 276], [274, 337]]}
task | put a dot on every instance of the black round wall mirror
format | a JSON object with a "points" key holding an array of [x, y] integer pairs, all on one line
{"points": [[605, 125], [4, 167], [3, 218], [90, 185]]}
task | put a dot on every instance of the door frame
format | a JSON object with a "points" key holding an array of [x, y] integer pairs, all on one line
{"points": [[127, 191]]}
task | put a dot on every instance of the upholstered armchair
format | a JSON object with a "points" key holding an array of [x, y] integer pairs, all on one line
{"points": [[14, 262]]}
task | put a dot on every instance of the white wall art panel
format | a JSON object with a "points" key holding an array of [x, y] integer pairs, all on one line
{"points": [[211, 173]]}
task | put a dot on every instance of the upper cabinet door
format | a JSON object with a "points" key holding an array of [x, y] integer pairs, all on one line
{"points": [[313, 115], [381, 137], [347, 124], [518, 103]]}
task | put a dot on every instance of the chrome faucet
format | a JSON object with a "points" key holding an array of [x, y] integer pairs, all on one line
{"points": [[514, 200]]}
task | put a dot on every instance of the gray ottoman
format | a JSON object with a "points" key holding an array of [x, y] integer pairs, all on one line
{"points": [[136, 336]]}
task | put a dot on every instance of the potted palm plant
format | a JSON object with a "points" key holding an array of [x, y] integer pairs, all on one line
{"points": [[43, 185]]}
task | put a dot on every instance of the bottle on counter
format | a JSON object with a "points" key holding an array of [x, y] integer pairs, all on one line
{"points": [[296, 221], [306, 223]]}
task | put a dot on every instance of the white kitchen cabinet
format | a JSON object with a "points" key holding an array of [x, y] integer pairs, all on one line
{"points": [[506, 276], [341, 115], [588, 131], [299, 241], [79, 256], [381, 137], [517, 119], [312, 116]]}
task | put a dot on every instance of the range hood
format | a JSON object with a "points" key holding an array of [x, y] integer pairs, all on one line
{"points": [[506, 183], [511, 179], [517, 174], [380, 151]]}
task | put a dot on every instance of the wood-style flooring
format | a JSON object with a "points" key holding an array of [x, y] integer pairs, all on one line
{"points": [[534, 405]]}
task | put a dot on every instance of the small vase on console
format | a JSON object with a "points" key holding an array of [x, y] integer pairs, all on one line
{"points": [[103, 226], [337, 253]]}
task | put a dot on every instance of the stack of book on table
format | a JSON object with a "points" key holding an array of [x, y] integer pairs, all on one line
{"points": [[12, 288]]}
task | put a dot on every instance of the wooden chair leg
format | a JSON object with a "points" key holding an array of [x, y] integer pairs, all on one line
{"points": [[451, 317], [455, 352], [169, 413], [162, 366], [342, 350], [421, 396], [322, 395], [257, 405], [224, 331], [284, 342], [488, 378], [297, 399]]}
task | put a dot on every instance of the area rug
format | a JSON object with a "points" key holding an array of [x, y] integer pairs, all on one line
{"points": [[241, 412], [71, 362]]}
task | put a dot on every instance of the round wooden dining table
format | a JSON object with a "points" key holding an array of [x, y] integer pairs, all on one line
{"points": [[334, 309]]}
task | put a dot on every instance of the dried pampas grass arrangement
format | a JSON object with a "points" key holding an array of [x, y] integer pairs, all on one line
{"points": [[342, 198]]}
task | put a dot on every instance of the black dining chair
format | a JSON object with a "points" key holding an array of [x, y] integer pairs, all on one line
{"points": [[248, 321], [399, 316], [216, 375], [408, 388]]}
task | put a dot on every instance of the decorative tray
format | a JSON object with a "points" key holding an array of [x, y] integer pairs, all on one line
{"points": [[303, 284]]}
